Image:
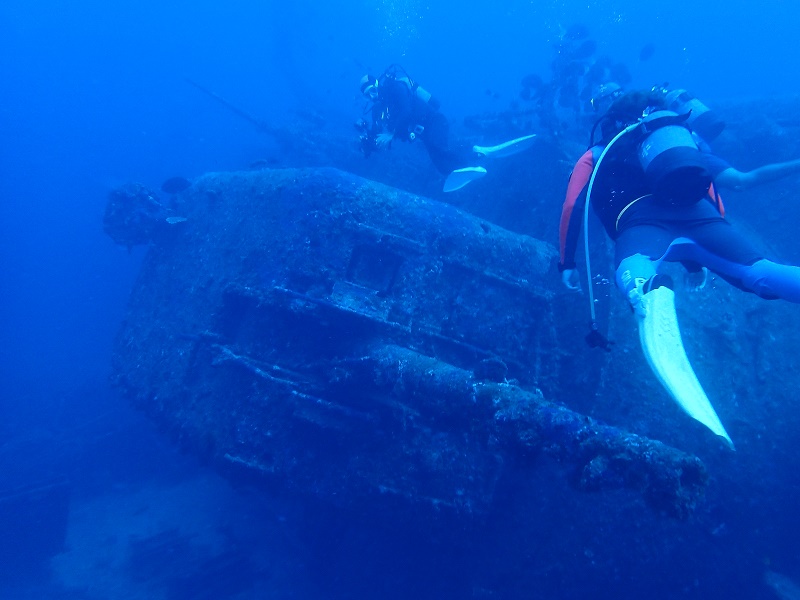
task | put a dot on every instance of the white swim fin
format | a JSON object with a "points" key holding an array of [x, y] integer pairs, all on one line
{"points": [[506, 148], [461, 177], [663, 347]]}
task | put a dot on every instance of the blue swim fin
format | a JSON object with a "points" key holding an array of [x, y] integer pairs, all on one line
{"points": [[506, 148], [663, 348], [461, 177]]}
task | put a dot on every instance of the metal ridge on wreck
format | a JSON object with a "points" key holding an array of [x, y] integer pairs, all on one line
{"points": [[345, 338]]}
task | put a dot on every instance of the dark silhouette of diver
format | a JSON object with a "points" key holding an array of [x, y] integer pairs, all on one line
{"points": [[401, 109]]}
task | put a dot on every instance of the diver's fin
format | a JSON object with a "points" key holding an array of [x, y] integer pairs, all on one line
{"points": [[461, 177], [662, 345], [506, 148]]}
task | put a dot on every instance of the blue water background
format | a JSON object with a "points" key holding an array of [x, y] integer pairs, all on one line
{"points": [[94, 94]]}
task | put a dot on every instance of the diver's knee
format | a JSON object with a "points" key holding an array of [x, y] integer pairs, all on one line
{"points": [[770, 280], [757, 277]]}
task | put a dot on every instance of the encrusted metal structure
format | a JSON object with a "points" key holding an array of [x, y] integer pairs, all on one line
{"points": [[344, 338]]}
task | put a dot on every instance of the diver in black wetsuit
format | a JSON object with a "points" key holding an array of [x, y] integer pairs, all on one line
{"points": [[685, 225], [402, 109], [655, 191]]}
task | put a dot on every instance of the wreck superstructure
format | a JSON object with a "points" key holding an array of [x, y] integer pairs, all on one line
{"points": [[349, 339]]}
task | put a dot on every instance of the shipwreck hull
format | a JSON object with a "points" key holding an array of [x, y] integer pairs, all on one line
{"points": [[348, 340]]}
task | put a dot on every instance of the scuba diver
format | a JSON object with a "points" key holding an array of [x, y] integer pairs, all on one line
{"points": [[703, 122], [400, 109], [603, 97], [656, 193]]}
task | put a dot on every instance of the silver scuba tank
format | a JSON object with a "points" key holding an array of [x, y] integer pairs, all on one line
{"points": [[702, 119], [671, 160]]}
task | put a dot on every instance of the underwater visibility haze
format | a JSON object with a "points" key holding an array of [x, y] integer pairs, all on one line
{"points": [[300, 369]]}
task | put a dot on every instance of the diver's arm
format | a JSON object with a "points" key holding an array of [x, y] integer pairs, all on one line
{"points": [[571, 216], [738, 180]]}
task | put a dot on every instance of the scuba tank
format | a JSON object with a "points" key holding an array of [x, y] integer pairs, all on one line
{"points": [[671, 160], [425, 96], [702, 119], [398, 73]]}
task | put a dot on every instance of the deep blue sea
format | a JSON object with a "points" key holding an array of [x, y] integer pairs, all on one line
{"points": [[97, 93]]}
